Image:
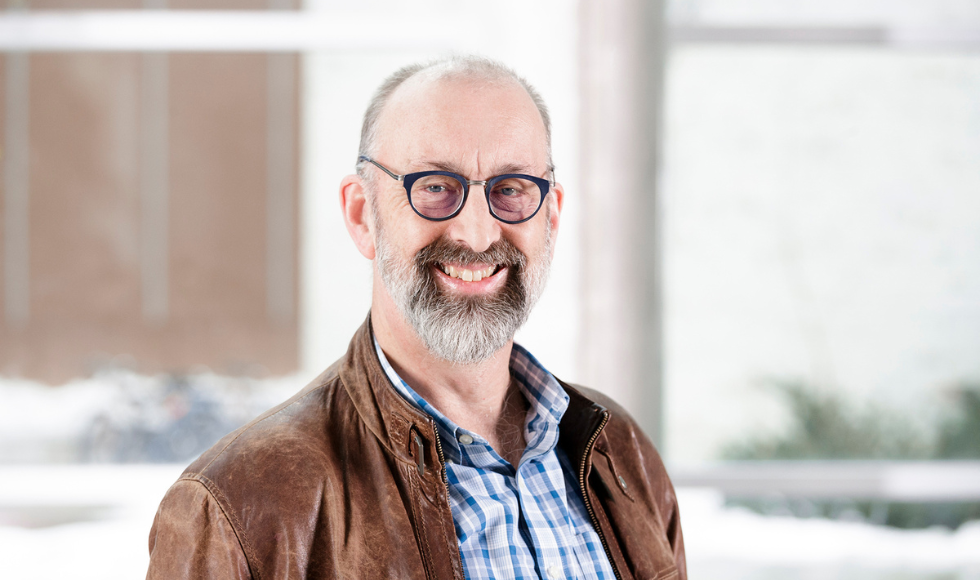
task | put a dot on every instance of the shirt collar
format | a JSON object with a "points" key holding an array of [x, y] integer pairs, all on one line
{"points": [[548, 403]]}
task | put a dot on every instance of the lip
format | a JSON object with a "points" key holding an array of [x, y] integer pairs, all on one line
{"points": [[487, 285]]}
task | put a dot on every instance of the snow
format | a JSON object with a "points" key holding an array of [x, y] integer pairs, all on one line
{"points": [[61, 518], [112, 544], [121, 416], [722, 543], [28, 409], [735, 543]]}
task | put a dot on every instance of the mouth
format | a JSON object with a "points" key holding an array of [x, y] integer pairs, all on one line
{"points": [[469, 274]]}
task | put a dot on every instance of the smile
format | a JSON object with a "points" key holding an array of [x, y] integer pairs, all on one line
{"points": [[467, 275]]}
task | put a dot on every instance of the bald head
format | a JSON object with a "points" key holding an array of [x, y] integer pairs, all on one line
{"points": [[468, 69]]}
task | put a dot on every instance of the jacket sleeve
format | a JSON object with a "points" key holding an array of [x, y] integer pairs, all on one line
{"points": [[191, 537], [674, 534]]}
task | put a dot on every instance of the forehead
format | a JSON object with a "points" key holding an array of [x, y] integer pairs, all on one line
{"points": [[473, 123]]}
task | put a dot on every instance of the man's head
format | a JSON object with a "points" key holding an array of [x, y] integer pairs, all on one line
{"points": [[468, 67], [467, 283]]}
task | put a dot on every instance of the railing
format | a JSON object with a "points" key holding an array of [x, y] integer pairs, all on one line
{"points": [[911, 481]]}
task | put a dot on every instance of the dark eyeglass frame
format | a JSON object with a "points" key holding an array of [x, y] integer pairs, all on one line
{"points": [[409, 179]]}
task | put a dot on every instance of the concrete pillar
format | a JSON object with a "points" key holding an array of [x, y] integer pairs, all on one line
{"points": [[622, 71]]}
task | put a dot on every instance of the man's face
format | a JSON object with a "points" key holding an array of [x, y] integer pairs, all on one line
{"points": [[466, 284]]}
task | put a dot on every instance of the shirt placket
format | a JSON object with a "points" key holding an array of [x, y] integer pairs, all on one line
{"points": [[540, 537], [545, 514], [509, 553]]}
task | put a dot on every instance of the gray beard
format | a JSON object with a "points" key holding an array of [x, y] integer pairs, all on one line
{"points": [[463, 329]]}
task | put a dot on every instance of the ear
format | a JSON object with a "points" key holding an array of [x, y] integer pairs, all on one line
{"points": [[357, 215], [556, 201]]}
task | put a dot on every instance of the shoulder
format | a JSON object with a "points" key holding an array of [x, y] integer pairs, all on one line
{"points": [[291, 443], [600, 398], [620, 420], [625, 442], [626, 459], [236, 499], [192, 537]]}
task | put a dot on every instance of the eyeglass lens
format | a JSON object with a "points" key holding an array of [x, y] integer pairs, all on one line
{"points": [[511, 199]]}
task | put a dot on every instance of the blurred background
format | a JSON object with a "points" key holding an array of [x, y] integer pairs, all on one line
{"points": [[770, 254]]}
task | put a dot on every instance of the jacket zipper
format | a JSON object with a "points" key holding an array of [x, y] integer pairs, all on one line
{"points": [[442, 458], [445, 478], [585, 492]]}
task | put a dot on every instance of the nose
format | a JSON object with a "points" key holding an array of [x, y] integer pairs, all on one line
{"points": [[474, 226]]}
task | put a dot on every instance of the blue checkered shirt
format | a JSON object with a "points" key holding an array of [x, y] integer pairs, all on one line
{"points": [[525, 523]]}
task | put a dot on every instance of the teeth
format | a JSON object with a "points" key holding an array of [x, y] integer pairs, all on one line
{"points": [[469, 275]]}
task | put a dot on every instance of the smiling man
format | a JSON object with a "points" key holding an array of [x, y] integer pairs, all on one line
{"points": [[436, 447]]}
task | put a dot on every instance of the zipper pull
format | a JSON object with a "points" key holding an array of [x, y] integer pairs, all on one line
{"points": [[419, 452]]}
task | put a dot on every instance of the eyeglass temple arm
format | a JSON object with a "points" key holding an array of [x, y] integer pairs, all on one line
{"points": [[379, 166]]}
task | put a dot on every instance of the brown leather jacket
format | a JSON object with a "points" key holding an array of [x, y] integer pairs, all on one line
{"points": [[345, 480]]}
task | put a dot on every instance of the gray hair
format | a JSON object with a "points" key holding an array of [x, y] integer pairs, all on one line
{"points": [[453, 67]]}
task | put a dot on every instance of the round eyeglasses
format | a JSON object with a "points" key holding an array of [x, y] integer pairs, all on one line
{"points": [[513, 198]]}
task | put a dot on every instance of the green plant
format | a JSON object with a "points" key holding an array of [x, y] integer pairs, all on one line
{"points": [[824, 426], [959, 433]]}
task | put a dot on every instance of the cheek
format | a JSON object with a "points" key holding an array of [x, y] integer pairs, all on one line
{"points": [[532, 242], [405, 239], [395, 202]]}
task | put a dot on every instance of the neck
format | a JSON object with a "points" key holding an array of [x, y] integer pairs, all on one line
{"points": [[474, 396]]}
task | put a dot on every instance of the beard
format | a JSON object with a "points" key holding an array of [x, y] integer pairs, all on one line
{"points": [[463, 329]]}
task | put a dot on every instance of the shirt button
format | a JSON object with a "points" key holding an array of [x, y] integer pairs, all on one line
{"points": [[554, 572], [465, 439]]}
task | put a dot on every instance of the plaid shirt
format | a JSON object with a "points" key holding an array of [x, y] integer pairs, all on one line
{"points": [[525, 523]]}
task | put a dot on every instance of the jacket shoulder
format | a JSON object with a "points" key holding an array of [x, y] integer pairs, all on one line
{"points": [[631, 463], [192, 537], [284, 429], [615, 409], [621, 422], [257, 483]]}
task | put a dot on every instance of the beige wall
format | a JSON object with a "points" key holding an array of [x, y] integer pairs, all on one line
{"points": [[87, 246]]}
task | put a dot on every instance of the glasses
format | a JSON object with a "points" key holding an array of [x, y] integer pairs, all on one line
{"points": [[513, 198]]}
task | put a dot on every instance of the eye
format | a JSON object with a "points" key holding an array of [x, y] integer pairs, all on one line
{"points": [[436, 196], [512, 187]]}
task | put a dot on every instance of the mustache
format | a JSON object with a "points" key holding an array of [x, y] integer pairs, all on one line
{"points": [[444, 250]]}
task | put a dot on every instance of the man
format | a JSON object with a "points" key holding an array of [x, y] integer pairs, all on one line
{"points": [[436, 447]]}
